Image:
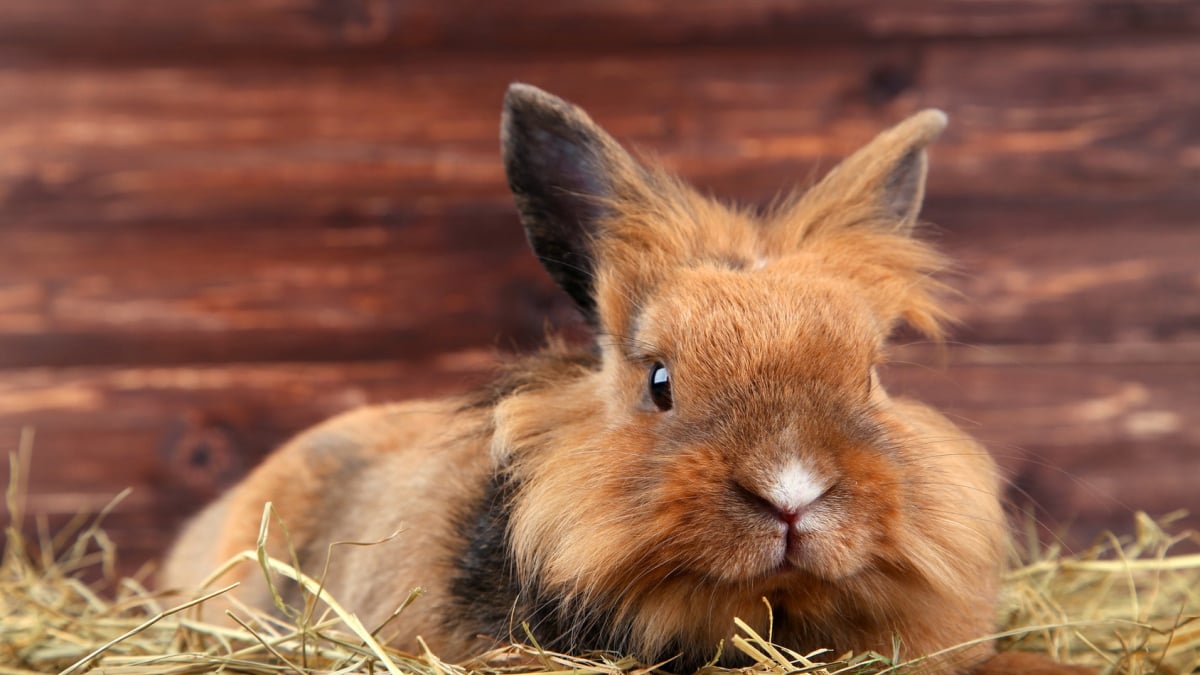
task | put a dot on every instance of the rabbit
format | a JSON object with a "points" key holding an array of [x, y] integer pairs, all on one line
{"points": [[725, 438]]}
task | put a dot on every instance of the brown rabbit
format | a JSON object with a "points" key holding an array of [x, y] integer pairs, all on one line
{"points": [[724, 440]]}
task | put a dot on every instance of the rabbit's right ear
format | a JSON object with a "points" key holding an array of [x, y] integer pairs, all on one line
{"points": [[566, 175]]}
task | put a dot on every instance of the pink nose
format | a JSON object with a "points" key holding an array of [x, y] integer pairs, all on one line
{"points": [[788, 514]]}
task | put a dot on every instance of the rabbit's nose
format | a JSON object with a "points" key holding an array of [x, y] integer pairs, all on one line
{"points": [[788, 494], [787, 515], [793, 489]]}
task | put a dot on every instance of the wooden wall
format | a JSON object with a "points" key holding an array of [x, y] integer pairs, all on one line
{"points": [[223, 220]]}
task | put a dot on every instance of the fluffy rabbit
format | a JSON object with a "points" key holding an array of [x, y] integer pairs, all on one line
{"points": [[724, 440]]}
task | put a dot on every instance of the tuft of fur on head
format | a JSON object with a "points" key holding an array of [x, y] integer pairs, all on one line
{"points": [[658, 525]]}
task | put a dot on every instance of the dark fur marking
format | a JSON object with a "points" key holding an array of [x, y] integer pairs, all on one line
{"points": [[485, 588], [488, 599]]}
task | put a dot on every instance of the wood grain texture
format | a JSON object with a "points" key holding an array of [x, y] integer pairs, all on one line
{"points": [[398, 140], [354, 192], [313, 292], [1073, 273], [217, 29]]}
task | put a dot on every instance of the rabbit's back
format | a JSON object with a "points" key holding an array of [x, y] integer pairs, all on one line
{"points": [[396, 474]]}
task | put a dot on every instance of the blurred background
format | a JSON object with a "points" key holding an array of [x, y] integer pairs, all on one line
{"points": [[224, 220]]}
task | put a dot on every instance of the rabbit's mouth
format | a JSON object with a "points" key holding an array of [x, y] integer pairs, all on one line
{"points": [[799, 557], [820, 543], [795, 517]]}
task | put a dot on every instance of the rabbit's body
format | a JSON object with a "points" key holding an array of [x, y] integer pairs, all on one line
{"points": [[725, 440], [422, 469], [358, 477]]}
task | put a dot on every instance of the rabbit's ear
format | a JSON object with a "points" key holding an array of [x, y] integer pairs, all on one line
{"points": [[888, 174], [566, 175]]}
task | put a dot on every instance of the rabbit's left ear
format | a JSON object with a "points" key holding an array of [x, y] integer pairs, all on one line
{"points": [[887, 175], [567, 176]]}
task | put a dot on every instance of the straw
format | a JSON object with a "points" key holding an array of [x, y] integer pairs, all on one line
{"points": [[1126, 605]]}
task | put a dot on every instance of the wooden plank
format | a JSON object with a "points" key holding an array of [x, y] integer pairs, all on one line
{"points": [[1083, 445], [1037, 274], [97, 427], [1087, 443], [228, 28], [1119, 118], [84, 144], [1071, 273], [187, 295]]}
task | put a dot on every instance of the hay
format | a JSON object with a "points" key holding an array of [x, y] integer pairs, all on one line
{"points": [[1127, 606]]}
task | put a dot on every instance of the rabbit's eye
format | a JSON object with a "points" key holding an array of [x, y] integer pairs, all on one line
{"points": [[660, 386]]}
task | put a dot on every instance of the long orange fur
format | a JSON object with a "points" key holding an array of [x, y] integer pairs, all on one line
{"points": [[772, 326]]}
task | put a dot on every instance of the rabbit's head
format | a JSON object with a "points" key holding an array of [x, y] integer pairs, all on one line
{"points": [[731, 441]]}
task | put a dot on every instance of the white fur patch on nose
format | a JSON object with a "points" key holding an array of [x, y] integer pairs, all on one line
{"points": [[795, 487]]}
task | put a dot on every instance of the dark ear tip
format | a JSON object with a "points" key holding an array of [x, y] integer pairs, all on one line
{"points": [[530, 111], [524, 98], [519, 92]]}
